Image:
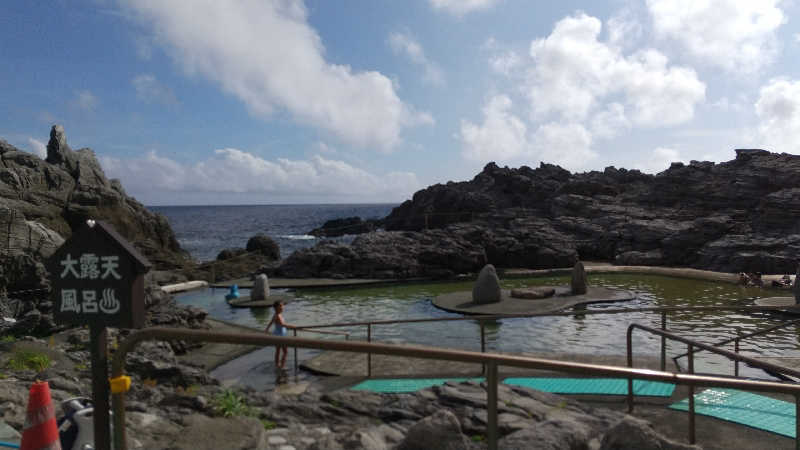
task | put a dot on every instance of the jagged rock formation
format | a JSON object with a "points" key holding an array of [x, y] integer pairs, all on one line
{"points": [[740, 215], [345, 226], [41, 202]]}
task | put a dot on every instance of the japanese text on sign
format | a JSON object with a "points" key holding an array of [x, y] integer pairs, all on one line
{"points": [[89, 265], [87, 301]]}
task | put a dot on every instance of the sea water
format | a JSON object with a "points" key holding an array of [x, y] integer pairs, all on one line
{"points": [[204, 231]]}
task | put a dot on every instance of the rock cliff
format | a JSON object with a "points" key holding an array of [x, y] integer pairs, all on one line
{"points": [[42, 201], [740, 215]]}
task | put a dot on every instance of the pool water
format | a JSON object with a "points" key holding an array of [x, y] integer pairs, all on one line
{"points": [[598, 334]]}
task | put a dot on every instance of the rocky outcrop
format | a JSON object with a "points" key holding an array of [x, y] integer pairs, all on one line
{"points": [[345, 226], [41, 202], [458, 248], [740, 215], [264, 245]]}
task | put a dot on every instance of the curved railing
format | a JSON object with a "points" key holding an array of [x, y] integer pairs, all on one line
{"points": [[490, 360], [736, 340], [481, 319], [691, 344]]}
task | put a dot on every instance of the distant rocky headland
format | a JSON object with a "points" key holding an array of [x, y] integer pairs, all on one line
{"points": [[740, 215]]}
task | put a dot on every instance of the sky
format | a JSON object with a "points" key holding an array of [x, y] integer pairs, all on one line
{"points": [[281, 101]]}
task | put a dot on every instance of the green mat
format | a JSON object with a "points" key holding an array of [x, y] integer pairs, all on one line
{"points": [[756, 411], [601, 386], [405, 384]]}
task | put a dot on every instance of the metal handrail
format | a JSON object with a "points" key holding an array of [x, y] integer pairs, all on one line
{"points": [[486, 317], [491, 360], [691, 344], [738, 339], [558, 313]]}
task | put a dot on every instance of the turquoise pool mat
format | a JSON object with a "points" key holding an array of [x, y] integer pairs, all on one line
{"points": [[600, 386], [756, 411], [397, 385]]}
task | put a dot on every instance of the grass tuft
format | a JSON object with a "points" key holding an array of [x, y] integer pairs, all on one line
{"points": [[229, 404], [29, 360]]}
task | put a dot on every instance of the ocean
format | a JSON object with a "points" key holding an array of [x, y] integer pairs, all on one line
{"points": [[204, 231]]}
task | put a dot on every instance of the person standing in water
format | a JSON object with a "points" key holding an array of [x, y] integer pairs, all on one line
{"points": [[280, 330]]}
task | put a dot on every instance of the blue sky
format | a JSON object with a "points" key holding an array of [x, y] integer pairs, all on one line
{"points": [[280, 101]]}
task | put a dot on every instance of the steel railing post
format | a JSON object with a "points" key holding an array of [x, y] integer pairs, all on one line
{"points": [[663, 341], [483, 345], [691, 397], [491, 405], [295, 354], [369, 355], [736, 362], [797, 422], [629, 340]]}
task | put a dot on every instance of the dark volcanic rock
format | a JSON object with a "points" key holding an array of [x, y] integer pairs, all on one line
{"points": [[229, 253], [264, 245], [42, 201], [45, 200], [740, 215], [347, 225]]}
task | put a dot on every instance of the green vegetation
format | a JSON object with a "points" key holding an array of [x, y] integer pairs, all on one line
{"points": [[3, 376], [8, 339], [268, 424], [229, 403], [478, 438], [28, 360]]}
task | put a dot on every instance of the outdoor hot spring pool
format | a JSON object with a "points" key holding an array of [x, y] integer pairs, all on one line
{"points": [[598, 334]]}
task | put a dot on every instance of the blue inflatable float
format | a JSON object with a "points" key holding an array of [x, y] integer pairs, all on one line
{"points": [[234, 293]]}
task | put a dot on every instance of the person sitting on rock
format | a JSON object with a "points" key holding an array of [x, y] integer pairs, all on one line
{"points": [[785, 281], [744, 279]]}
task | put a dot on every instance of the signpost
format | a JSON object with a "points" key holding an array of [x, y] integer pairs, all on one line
{"points": [[98, 280]]}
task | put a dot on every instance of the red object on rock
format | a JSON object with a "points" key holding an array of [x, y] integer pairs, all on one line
{"points": [[40, 431]]}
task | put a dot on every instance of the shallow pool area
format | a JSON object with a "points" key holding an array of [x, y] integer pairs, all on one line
{"points": [[599, 334]]}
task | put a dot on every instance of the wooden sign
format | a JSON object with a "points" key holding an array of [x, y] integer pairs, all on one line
{"points": [[98, 278]]}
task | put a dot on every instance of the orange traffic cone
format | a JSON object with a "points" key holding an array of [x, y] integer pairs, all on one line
{"points": [[40, 431]]}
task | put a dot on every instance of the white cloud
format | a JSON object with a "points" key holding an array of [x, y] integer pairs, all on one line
{"points": [[85, 100], [501, 136], [659, 160], [565, 144], [407, 45], [150, 90], [504, 137], [624, 29], [38, 147], [573, 72], [322, 147], [778, 111], [610, 122], [265, 53], [504, 63], [235, 171], [736, 35], [461, 7]]}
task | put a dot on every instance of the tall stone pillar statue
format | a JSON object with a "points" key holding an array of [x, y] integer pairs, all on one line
{"points": [[578, 285]]}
